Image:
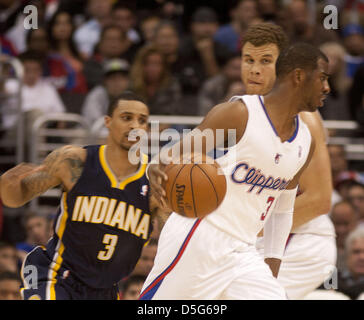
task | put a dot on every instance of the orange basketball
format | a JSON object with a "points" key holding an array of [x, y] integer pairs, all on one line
{"points": [[194, 190]]}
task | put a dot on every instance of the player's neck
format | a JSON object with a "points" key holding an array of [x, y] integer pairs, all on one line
{"points": [[282, 112], [282, 100], [118, 160]]}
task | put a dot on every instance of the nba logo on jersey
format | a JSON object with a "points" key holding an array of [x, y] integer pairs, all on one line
{"points": [[299, 151], [277, 157], [144, 190]]}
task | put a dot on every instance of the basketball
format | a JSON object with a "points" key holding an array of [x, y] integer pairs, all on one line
{"points": [[194, 190]]}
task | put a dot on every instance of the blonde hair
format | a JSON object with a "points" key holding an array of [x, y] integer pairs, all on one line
{"points": [[137, 77]]}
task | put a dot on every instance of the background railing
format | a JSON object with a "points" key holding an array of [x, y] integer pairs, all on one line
{"points": [[75, 130]]}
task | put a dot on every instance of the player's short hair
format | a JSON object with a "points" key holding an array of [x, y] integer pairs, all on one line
{"points": [[299, 55], [126, 96], [266, 33]]}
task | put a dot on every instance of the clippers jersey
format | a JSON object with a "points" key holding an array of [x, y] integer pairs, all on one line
{"points": [[102, 225], [257, 170]]}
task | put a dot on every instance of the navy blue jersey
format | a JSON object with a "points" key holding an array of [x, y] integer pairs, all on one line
{"points": [[102, 224]]}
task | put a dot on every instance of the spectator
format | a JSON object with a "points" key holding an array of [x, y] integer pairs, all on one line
{"points": [[8, 258], [60, 33], [37, 96], [200, 56], [341, 175], [10, 283], [345, 220], [146, 260], [1, 219], [57, 71], [12, 23], [223, 86], [166, 39], [243, 14], [132, 287], [300, 28], [123, 17], [336, 104], [356, 96], [38, 231], [116, 80], [111, 46], [268, 10], [148, 28], [151, 79], [87, 35], [37, 41], [353, 37], [356, 198], [6, 47], [351, 280]]}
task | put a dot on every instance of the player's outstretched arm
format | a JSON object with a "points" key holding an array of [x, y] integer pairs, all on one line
{"points": [[27, 181], [225, 116], [315, 183], [278, 226]]}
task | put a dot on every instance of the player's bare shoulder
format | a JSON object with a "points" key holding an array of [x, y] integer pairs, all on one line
{"points": [[227, 115], [315, 124]]}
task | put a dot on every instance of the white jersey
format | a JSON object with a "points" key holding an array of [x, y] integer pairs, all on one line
{"points": [[257, 169], [321, 225]]}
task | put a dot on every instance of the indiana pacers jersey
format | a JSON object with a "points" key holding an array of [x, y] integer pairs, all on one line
{"points": [[102, 225]]}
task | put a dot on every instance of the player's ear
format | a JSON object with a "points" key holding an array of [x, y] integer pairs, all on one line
{"points": [[299, 76], [107, 120]]}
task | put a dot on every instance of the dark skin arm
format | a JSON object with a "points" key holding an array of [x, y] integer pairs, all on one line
{"points": [[26, 181], [225, 116]]}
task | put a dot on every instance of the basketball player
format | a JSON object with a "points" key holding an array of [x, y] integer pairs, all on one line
{"points": [[104, 217], [215, 257], [311, 249]]}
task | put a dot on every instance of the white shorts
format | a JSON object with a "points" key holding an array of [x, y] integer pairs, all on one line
{"points": [[196, 261], [307, 263]]}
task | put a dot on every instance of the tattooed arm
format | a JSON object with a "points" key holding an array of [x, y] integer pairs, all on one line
{"points": [[27, 181]]}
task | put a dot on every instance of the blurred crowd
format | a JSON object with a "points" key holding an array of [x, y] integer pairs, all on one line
{"points": [[182, 58]]}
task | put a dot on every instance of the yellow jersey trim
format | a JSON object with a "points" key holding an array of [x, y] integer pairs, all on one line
{"points": [[113, 179], [58, 259]]}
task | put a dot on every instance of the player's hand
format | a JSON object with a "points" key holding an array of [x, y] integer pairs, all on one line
{"points": [[156, 178]]}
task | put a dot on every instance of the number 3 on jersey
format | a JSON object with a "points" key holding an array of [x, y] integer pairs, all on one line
{"points": [[110, 240], [270, 202]]}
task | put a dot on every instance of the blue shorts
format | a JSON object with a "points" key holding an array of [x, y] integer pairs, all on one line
{"points": [[43, 281]]}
